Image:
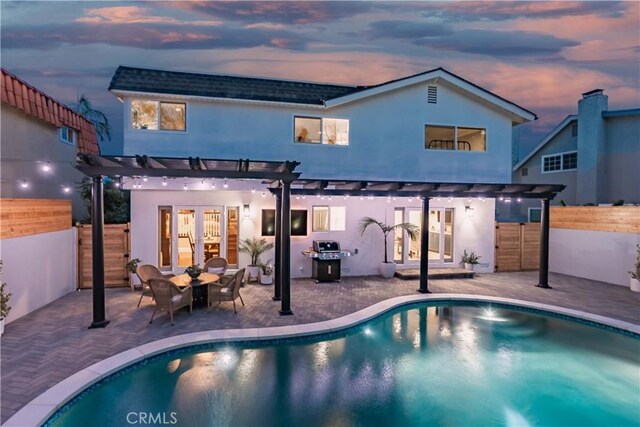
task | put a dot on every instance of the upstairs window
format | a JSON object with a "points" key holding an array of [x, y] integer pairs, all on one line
{"points": [[455, 138], [155, 115], [560, 162], [315, 130], [68, 135]]}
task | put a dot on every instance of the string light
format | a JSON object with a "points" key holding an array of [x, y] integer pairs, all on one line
{"points": [[263, 194], [46, 167], [164, 182], [410, 199], [519, 200], [213, 184], [145, 179], [24, 184], [225, 185], [253, 190], [185, 186], [66, 189]]}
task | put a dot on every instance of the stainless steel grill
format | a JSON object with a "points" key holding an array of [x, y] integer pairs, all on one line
{"points": [[326, 256]]}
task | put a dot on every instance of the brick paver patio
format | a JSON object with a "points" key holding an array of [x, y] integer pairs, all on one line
{"points": [[52, 343]]}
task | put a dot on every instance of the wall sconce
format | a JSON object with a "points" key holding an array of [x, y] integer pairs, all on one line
{"points": [[468, 210], [246, 211]]}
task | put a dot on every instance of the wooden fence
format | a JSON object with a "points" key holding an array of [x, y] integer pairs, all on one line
{"points": [[620, 219], [116, 255], [26, 217], [517, 246]]}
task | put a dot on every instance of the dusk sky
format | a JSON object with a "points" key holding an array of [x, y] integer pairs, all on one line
{"points": [[540, 55]]}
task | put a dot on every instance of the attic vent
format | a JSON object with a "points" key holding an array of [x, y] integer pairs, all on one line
{"points": [[432, 94]]}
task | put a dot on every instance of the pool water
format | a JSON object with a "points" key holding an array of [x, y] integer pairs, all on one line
{"points": [[423, 365]]}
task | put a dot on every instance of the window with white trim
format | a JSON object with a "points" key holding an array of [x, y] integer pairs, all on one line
{"points": [[455, 138], [534, 214], [315, 130], [328, 218], [68, 135], [158, 115], [560, 162]]}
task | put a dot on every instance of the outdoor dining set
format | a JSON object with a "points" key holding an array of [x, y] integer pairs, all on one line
{"points": [[199, 288]]}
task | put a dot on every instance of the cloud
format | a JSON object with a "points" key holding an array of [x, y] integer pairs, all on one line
{"points": [[407, 29], [147, 36], [507, 10], [133, 15], [284, 12]]}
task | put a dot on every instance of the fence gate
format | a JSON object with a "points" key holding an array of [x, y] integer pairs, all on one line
{"points": [[517, 246], [116, 255]]}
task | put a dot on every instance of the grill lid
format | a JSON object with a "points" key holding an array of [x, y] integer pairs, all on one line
{"points": [[326, 246]]}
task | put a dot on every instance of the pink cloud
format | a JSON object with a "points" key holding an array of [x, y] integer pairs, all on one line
{"points": [[133, 15]]}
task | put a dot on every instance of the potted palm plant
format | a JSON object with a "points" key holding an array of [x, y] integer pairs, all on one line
{"points": [[388, 269], [5, 308], [469, 260], [634, 281], [266, 273], [255, 248], [131, 267]]}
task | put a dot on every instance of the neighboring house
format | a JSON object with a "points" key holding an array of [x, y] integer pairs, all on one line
{"points": [[40, 140], [595, 153], [430, 127]]}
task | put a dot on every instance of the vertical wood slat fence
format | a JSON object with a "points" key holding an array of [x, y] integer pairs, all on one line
{"points": [[517, 246], [117, 247]]}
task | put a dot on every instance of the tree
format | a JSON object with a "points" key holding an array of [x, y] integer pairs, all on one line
{"points": [[410, 229], [116, 202], [97, 117]]}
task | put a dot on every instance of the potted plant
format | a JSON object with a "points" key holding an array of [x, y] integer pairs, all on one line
{"points": [[194, 271], [469, 260], [131, 267], [266, 273], [255, 248], [388, 269], [5, 308], [634, 282]]}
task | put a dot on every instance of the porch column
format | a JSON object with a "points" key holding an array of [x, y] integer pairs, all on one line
{"points": [[424, 248], [543, 279], [277, 289], [285, 249], [97, 247]]}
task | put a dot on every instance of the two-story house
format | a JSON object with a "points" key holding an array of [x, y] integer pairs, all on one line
{"points": [[594, 153], [430, 127]]}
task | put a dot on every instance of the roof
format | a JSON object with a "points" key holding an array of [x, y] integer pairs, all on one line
{"points": [[555, 131], [621, 113], [35, 103], [142, 80], [222, 86]]}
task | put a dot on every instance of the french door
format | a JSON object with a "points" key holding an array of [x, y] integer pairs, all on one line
{"points": [[199, 234], [440, 236]]}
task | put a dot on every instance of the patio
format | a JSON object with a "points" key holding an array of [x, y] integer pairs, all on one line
{"points": [[50, 344]]}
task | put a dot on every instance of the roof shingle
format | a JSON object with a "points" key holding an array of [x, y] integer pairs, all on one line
{"points": [[32, 101]]}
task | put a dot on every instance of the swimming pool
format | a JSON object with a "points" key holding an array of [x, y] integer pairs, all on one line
{"points": [[428, 364]]}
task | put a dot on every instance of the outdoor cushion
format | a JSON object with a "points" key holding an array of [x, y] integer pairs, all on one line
{"points": [[176, 299], [225, 290], [216, 270]]}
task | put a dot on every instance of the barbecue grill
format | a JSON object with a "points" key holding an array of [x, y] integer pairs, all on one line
{"points": [[326, 256]]}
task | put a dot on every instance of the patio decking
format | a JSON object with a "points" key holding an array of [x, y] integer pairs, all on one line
{"points": [[50, 344]]}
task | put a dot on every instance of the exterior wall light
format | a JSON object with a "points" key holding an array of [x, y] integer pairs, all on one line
{"points": [[246, 211]]}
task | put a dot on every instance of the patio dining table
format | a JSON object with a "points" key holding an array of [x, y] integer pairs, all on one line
{"points": [[200, 286]]}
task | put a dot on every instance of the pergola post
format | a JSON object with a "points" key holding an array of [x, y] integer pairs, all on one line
{"points": [[543, 279], [424, 248], [277, 289], [285, 249], [97, 246]]}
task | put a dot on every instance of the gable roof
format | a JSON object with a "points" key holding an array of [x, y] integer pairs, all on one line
{"points": [[555, 131], [35, 103], [142, 80]]}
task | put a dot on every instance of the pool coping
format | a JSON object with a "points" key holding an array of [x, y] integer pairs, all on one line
{"points": [[41, 408]]}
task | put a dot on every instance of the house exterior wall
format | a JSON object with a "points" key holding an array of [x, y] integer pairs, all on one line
{"points": [[622, 160], [27, 141], [474, 232], [54, 277], [386, 137]]}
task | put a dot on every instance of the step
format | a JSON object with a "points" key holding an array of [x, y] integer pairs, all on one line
{"points": [[435, 273]]}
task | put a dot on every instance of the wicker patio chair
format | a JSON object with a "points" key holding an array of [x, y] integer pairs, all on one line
{"points": [[230, 292], [169, 297], [146, 272], [218, 265]]}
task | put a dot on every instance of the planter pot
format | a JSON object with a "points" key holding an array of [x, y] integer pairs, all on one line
{"points": [[387, 269], [266, 279], [634, 284], [468, 267], [1, 327], [253, 272], [134, 281]]}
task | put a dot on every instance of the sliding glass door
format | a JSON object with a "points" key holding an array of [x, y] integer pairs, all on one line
{"points": [[440, 236], [198, 235]]}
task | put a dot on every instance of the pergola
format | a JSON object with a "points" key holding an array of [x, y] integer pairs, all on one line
{"points": [[284, 182]]}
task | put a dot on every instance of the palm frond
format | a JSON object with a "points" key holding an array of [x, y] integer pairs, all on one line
{"points": [[84, 107]]}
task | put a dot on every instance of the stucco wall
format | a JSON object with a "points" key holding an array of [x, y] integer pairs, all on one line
{"points": [[595, 255], [386, 137], [623, 159], [472, 232], [26, 144], [38, 269]]}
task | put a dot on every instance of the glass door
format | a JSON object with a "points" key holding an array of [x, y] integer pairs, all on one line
{"points": [[199, 235], [440, 235]]}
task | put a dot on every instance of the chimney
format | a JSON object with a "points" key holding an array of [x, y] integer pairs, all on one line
{"points": [[590, 179]]}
